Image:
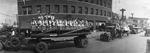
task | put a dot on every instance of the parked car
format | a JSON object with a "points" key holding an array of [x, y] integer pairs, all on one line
{"points": [[147, 31], [136, 30]]}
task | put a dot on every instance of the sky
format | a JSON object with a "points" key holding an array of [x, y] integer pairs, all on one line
{"points": [[140, 8]]}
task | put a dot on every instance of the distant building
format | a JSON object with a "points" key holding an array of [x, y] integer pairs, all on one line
{"points": [[138, 22], [92, 10]]}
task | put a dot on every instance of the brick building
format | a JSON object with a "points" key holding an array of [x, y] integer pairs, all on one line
{"points": [[93, 10]]}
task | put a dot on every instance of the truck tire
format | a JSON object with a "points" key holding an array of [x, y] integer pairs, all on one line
{"points": [[109, 39], [14, 42], [7, 44], [76, 41], [1, 46], [41, 47], [81, 42]]}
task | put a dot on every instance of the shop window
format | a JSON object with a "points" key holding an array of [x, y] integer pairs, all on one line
{"points": [[38, 9], [48, 9], [80, 10], [56, 8], [86, 10], [65, 9], [72, 9], [27, 10]]}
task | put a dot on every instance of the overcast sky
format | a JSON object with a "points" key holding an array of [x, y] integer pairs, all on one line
{"points": [[140, 8]]}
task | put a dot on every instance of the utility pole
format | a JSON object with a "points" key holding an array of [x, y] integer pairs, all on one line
{"points": [[122, 10], [122, 19], [132, 14]]}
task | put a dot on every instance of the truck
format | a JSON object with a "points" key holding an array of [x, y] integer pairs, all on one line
{"points": [[38, 31], [112, 31]]}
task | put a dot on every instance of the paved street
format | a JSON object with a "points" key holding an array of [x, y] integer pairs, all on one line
{"points": [[132, 44]]}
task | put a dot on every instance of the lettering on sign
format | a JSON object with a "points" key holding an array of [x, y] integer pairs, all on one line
{"points": [[47, 22]]}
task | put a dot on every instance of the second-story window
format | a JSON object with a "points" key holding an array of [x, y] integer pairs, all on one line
{"points": [[101, 12], [27, 10], [86, 0], [56, 8], [80, 0], [86, 10], [65, 9], [105, 4], [73, 9], [109, 14], [97, 1], [80, 10], [101, 2], [48, 9], [92, 1], [96, 11], [38, 9], [92, 11], [105, 13]]}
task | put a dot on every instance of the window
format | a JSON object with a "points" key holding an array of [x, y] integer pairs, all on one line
{"points": [[86, 0], [97, 1], [105, 4], [96, 11], [72, 9], [109, 14], [92, 1], [92, 12], [101, 12], [56, 8], [104, 13], [86, 10], [108, 5], [65, 9], [80, 10], [38, 8], [48, 9], [101, 2], [27, 10]]}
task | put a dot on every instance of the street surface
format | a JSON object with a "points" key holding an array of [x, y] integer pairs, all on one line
{"points": [[135, 43]]}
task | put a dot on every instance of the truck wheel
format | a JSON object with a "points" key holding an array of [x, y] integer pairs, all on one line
{"points": [[83, 42], [108, 37], [101, 37], [1, 46], [41, 47], [76, 41], [14, 41], [7, 44]]}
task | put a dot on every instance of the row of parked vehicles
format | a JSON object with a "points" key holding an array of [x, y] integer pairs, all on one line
{"points": [[112, 31], [37, 31]]}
